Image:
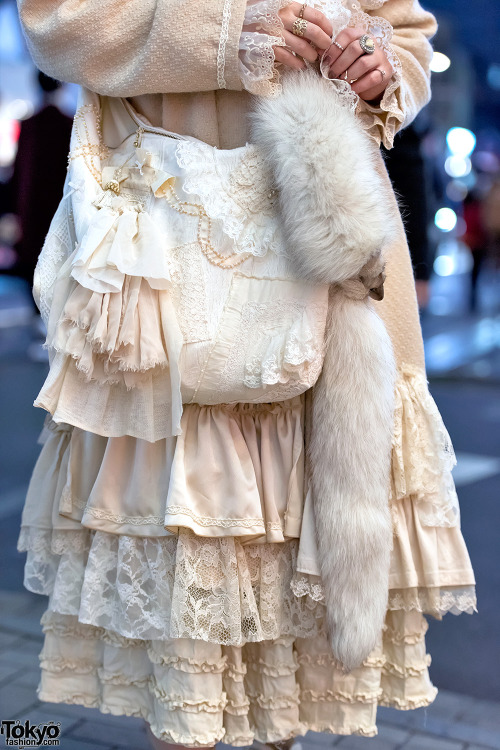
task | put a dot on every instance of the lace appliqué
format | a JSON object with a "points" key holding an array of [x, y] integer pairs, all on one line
{"points": [[279, 359], [289, 348], [189, 292], [241, 199]]}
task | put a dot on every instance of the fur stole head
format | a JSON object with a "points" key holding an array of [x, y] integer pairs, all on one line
{"points": [[336, 225]]}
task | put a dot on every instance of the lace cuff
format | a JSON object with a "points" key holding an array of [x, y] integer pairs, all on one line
{"points": [[382, 121], [262, 30]]}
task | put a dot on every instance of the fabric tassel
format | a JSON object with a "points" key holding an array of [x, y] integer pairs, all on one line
{"points": [[334, 222]]}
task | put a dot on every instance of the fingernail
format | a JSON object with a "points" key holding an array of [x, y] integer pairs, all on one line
{"points": [[327, 60]]}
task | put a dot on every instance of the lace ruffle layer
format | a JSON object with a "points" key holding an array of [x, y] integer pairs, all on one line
{"points": [[425, 514], [197, 693], [183, 586], [262, 30], [259, 496], [423, 456]]}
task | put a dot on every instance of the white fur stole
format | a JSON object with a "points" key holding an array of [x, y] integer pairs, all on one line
{"points": [[336, 224]]}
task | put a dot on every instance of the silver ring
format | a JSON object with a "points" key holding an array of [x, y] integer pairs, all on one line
{"points": [[381, 71], [339, 45], [367, 44]]}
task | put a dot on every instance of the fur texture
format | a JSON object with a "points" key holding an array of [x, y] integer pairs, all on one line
{"points": [[323, 163], [332, 207], [349, 454]]}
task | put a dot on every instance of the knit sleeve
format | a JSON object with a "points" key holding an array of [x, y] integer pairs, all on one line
{"points": [[117, 48], [404, 30]]}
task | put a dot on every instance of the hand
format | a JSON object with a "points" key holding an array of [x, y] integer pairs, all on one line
{"points": [[317, 36], [364, 70]]}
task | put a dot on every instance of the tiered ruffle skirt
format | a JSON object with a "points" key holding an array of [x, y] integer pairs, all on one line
{"points": [[170, 524], [183, 582]]}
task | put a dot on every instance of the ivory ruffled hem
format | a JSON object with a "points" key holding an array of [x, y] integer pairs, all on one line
{"points": [[122, 580], [200, 693]]}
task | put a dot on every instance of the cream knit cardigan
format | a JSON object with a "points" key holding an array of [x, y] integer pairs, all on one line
{"points": [[178, 59]]}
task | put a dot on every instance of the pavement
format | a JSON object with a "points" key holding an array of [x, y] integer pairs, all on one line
{"points": [[465, 649]]}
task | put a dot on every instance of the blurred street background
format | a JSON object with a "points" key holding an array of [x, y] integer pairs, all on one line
{"points": [[446, 171]]}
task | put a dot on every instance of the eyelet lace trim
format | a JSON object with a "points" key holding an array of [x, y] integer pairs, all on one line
{"points": [[381, 126], [262, 31], [225, 523]]}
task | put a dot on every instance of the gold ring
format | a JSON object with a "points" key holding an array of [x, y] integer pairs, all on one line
{"points": [[301, 13], [299, 26]]}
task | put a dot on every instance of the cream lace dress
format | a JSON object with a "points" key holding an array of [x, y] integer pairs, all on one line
{"points": [[168, 517]]}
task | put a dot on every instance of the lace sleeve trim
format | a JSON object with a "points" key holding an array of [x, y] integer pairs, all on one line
{"points": [[383, 120], [262, 31]]}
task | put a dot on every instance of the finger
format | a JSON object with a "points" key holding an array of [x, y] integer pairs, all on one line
{"points": [[371, 85], [300, 46], [312, 33], [344, 39], [365, 64], [349, 34], [314, 16], [283, 55], [351, 53]]}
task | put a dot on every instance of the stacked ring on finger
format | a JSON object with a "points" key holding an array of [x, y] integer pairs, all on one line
{"points": [[302, 10], [299, 26], [367, 44]]}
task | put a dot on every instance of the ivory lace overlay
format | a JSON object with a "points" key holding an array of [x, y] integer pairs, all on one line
{"points": [[268, 363], [241, 197]]}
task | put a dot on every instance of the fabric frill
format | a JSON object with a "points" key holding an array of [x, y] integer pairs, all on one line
{"points": [[199, 607]]}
